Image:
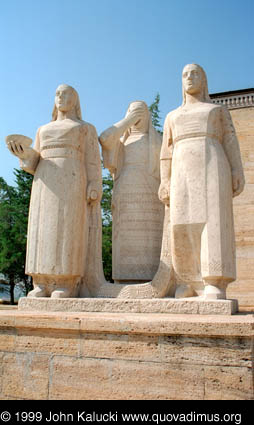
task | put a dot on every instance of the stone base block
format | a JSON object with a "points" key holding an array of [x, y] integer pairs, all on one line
{"points": [[121, 356], [115, 305]]}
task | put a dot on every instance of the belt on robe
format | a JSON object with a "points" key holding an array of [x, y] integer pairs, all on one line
{"points": [[61, 150], [196, 135]]}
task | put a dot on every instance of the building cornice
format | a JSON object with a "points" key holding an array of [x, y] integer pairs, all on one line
{"points": [[235, 99]]}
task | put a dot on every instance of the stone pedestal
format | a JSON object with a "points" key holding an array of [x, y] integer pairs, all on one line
{"points": [[193, 305], [89, 355]]}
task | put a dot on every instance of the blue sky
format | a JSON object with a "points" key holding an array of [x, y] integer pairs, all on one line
{"points": [[113, 52]]}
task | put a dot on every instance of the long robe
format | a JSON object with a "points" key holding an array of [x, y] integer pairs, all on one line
{"points": [[58, 227], [205, 154], [136, 210]]}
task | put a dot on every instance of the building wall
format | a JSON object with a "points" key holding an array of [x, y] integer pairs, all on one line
{"points": [[243, 288]]}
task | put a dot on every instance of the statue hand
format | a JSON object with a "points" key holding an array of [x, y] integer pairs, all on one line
{"points": [[135, 116], [237, 184], [18, 149], [163, 193], [94, 193]]}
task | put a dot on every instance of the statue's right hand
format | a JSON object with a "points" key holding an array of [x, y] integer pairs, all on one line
{"points": [[18, 149], [134, 116], [19, 145], [163, 193]]}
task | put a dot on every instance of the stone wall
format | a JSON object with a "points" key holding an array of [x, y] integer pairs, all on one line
{"points": [[243, 288], [84, 356]]}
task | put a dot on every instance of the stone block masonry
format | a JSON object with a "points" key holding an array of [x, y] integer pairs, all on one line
{"points": [[90, 355]]}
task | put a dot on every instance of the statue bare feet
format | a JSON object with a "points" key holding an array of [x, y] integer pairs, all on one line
{"points": [[38, 291]]}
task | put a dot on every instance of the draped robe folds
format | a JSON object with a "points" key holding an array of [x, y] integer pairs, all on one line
{"points": [[205, 154], [58, 226], [136, 210]]}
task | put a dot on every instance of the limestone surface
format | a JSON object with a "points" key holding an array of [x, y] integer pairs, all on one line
{"points": [[131, 151], [193, 305], [64, 229], [93, 356], [243, 288], [201, 170]]}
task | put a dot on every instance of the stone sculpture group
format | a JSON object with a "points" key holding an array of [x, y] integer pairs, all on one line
{"points": [[173, 230]]}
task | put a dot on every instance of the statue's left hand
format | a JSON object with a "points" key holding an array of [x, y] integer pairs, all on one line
{"points": [[163, 193], [237, 184]]}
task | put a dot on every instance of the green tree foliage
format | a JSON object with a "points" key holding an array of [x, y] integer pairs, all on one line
{"points": [[23, 190], [107, 226], [7, 254], [14, 206], [155, 113]]}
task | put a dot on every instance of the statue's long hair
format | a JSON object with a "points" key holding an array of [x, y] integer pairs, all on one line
{"points": [[76, 107], [205, 93]]}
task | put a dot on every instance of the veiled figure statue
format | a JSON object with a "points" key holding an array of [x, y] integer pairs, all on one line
{"points": [[200, 141], [131, 152], [65, 201]]}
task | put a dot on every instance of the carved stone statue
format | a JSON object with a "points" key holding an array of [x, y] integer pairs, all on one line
{"points": [[65, 201], [206, 172], [131, 150]]}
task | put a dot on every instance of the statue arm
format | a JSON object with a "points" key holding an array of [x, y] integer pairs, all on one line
{"points": [[232, 151], [110, 152], [93, 166], [32, 156], [116, 131], [111, 143], [165, 163]]}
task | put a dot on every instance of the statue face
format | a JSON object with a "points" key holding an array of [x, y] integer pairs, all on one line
{"points": [[192, 79], [64, 98]]}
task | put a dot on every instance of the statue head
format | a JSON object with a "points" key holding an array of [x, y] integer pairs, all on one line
{"points": [[143, 124], [66, 100], [194, 81]]}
